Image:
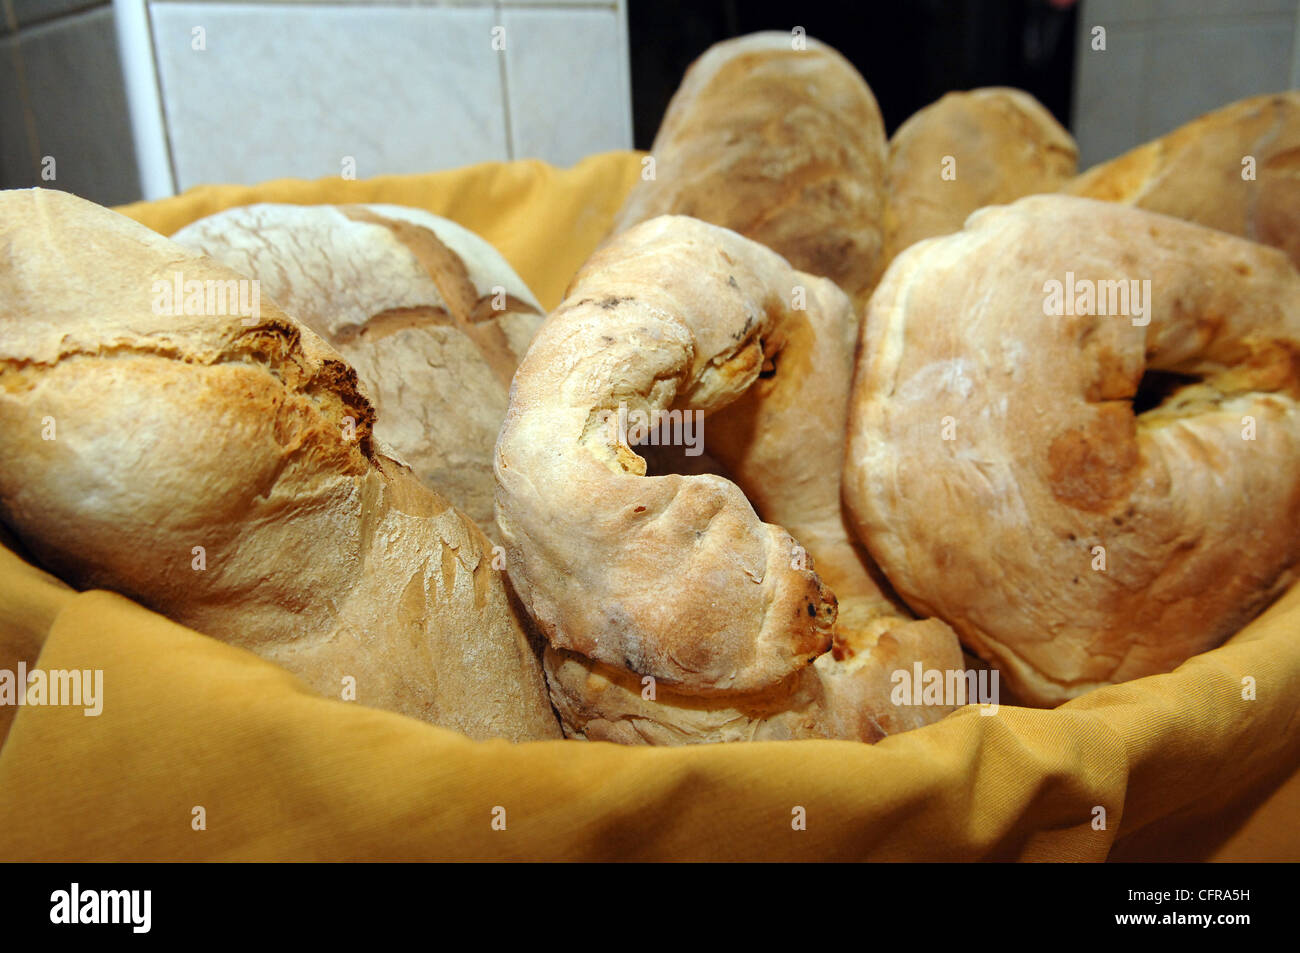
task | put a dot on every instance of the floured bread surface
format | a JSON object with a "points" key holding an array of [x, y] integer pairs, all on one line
{"points": [[432, 318], [785, 146], [1003, 468], [671, 584], [223, 472], [965, 151], [1236, 169]]}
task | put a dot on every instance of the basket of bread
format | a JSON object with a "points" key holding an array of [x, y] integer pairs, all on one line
{"points": [[789, 491]]}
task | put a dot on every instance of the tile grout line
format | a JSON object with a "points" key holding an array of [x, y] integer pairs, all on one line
{"points": [[162, 102], [504, 72]]}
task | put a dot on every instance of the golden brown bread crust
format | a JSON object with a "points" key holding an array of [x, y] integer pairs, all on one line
{"points": [[674, 577], [996, 530], [1003, 145], [410, 301], [1195, 172], [176, 431], [784, 146], [592, 545]]}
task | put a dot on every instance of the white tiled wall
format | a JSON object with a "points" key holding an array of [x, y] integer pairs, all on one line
{"points": [[244, 92], [291, 87], [301, 87], [567, 81], [294, 90], [63, 113], [1168, 61]]}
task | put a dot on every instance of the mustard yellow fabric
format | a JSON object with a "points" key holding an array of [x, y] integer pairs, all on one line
{"points": [[544, 220], [1182, 764]]}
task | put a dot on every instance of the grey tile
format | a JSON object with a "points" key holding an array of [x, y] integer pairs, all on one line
{"points": [[1108, 117], [74, 81], [1233, 9], [286, 90], [567, 82], [1194, 69], [28, 12], [1109, 13], [16, 160]]}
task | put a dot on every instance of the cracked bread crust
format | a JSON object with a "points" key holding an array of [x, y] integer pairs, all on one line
{"points": [[433, 319], [319, 550]]}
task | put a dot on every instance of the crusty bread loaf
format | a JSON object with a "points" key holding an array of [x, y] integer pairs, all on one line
{"points": [[1002, 468], [785, 146], [432, 318], [1236, 169], [965, 151], [220, 468], [669, 584], [837, 697]]}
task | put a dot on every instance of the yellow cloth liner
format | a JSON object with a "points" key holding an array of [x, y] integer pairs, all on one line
{"points": [[1182, 764]]}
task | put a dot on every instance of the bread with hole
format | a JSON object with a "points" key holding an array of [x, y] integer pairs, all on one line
{"points": [[1002, 469]]}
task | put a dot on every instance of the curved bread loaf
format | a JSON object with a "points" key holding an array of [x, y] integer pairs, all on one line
{"points": [[673, 613]]}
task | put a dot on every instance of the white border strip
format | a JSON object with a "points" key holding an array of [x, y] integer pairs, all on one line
{"points": [[140, 73], [625, 59]]}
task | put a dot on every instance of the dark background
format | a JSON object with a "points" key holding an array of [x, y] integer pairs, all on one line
{"points": [[910, 52]]}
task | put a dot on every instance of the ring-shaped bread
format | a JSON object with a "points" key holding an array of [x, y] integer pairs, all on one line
{"points": [[1002, 468]]}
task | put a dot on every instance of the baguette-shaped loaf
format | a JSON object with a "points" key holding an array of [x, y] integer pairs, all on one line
{"points": [[1236, 169], [785, 146], [965, 151], [221, 469], [432, 318]]}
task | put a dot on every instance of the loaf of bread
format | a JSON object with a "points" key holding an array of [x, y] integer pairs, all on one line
{"points": [[785, 146], [1236, 169], [431, 317], [968, 150], [216, 462], [673, 614], [1075, 437]]}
